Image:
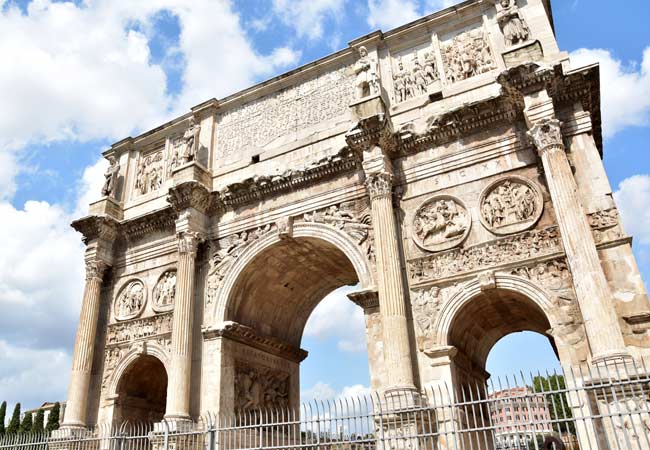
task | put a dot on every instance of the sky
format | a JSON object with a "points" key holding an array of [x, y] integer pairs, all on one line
{"points": [[78, 76]]}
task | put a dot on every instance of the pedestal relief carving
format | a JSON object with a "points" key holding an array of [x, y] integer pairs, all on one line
{"points": [[442, 222], [150, 173], [260, 388], [631, 416], [512, 24], [164, 292], [467, 55], [130, 301], [511, 205]]}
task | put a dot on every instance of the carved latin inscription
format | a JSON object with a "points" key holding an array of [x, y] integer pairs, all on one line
{"points": [[511, 205], [441, 223], [260, 388], [164, 292], [130, 302], [467, 55]]}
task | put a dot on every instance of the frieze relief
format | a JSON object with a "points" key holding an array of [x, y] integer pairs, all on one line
{"points": [[258, 123], [130, 300], [510, 205], [123, 332], [467, 55], [442, 222], [259, 387], [164, 293], [605, 225], [413, 75]]}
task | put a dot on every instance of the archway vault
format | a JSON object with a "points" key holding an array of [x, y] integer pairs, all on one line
{"points": [[275, 283]]}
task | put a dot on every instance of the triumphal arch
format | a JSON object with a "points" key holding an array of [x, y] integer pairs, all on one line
{"points": [[451, 169]]}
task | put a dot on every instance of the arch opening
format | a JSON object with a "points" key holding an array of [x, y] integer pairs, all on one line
{"points": [[142, 392]]}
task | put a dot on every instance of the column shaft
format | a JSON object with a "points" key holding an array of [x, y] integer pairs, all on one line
{"points": [[178, 397], [594, 295], [397, 353], [82, 359]]}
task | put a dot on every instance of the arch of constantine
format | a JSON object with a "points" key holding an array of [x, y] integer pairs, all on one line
{"points": [[450, 168]]}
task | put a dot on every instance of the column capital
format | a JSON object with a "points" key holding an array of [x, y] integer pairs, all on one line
{"points": [[379, 185], [96, 268], [188, 241], [546, 135]]}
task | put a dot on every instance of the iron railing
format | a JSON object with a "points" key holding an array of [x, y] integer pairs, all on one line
{"points": [[597, 408]]}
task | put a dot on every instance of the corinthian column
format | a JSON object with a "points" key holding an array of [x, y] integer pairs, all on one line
{"points": [[594, 295], [84, 346], [397, 352], [178, 391]]}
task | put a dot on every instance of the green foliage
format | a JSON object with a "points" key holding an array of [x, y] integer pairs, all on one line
{"points": [[556, 402], [53, 418], [14, 423], [39, 422], [26, 424], [3, 414]]}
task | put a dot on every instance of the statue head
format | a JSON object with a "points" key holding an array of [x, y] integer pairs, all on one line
{"points": [[505, 3], [192, 122], [363, 51]]}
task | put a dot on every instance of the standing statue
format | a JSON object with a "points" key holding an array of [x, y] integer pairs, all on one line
{"points": [[367, 81], [419, 76], [399, 83], [512, 24], [191, 141], [430, 68], [108, 190]]}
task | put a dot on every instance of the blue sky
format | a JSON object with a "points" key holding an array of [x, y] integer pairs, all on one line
{"points": [[78, 76]]}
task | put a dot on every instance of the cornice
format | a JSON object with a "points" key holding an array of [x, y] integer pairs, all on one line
{"points": [[97, 227], [248, 336], [159, 220], [368, 299], [190, 194]]}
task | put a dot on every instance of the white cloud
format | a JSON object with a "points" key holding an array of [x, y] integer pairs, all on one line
{"points": [[431, 6], [324, 391], [90, 186], [307, 16], [336, 317], [8, 171], [633, 201], [388, 14], [625, 88]]}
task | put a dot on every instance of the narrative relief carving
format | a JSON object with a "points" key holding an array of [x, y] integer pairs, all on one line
{"points": [[260, 388], [512, 25], [467, 55], [442, 222], [149, 177], [139, 329], [130, 301], [510, 205], [367, 75], [164, 293], [416, 79]]}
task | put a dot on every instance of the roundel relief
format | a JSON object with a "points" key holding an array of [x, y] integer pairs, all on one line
{"points": [[164, 292], [130, 302], [510, 205], [442, 222]]}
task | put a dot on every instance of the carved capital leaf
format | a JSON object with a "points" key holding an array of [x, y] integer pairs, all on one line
{"points": [[96, 269], [379, 185], [188, 241], [546, 134]]}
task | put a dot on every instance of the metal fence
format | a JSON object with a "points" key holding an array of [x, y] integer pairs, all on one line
{"points": [[602, 408]]}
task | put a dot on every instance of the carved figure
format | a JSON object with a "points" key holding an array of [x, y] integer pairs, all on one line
{"points": [[367, 76], [426, 304], [440, 224], [399, 83], [431, 72], [419, 77], [190, 141], [149, 176], [510, 205], [632, 416], [261, 388], [512, 25], [164, 293], [110, 177], [467, 55], [130, 301]]}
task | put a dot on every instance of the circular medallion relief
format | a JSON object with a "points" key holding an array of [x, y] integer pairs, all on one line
{"points": [[442, 222], [130, 301], [510, 205], [164, 292]]}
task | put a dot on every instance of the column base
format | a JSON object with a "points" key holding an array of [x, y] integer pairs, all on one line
{"points": [[612, 358], [400, 398]]}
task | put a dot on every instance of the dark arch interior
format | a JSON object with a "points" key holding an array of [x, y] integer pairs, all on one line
{"points": [[142, 391], [278, 290], [490, 316]]}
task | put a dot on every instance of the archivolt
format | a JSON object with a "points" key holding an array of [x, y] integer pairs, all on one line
{"points": [[150, 349]]}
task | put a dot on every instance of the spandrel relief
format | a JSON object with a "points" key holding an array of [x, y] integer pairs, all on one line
{"points": [[441, 223], [511, 205], [164, 293], [414, 73], [130, 301], [467, 55]]}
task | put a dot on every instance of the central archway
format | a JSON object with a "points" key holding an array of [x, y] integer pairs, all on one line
{"points": [[142, 392]]}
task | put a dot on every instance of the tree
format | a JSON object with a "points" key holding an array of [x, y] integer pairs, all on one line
{"points": [[53, 418], [554, 389], [14, 423], [26, 424], [3, 413], [39, 426]]}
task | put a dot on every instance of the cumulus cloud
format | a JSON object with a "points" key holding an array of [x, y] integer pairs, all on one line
{"points": [[324, 391], [388, 14], [633, 200], [336, 317], [625, 88], [307, 16]]}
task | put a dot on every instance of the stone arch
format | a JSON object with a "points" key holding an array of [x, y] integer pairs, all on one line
{"points": [[128, 359], [303, 230]]}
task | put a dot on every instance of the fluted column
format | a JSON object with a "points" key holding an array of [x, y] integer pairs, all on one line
{"points": [[82, 359], [594, 295], [397, 353], [178, 391]]}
